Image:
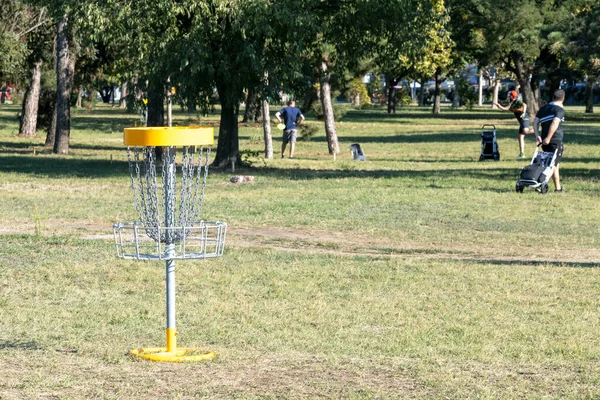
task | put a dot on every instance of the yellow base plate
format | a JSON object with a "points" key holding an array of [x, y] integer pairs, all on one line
{"points": [[179, 355]]}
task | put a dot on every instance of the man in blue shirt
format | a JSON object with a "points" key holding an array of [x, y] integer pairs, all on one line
{"points": [[292, 116], [551, 117]]}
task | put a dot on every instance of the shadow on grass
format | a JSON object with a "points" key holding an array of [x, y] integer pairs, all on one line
{"points": [[63, 167], [420, 138], [19, 345], [511, 262], [509, 174], [18, 147], [404, 115]]}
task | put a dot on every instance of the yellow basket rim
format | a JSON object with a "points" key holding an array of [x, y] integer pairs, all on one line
{"points": [[166, 136]]}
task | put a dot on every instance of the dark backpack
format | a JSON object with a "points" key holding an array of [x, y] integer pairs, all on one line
{"points": [[532, 172]]}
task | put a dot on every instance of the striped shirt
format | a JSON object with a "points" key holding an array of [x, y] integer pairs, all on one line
{"points": [[546, 115]]}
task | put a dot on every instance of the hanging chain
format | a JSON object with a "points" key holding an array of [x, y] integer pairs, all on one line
{"points": [[147, 191]]}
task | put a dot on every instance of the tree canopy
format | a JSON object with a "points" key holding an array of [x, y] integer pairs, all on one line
{"points": [[221, 50]]}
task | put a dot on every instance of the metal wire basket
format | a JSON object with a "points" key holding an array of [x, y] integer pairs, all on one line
{"points": [[204, 240]]}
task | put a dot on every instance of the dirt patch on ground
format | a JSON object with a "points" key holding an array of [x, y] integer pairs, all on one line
{"points": [[342, 244]]}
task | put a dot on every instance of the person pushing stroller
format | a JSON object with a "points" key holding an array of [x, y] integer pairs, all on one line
{"points": [[551, 117]]}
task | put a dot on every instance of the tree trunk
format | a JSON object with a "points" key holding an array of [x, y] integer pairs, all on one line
{"points": [[29, 111], [522, 73], [497, 85], [65, 65], [422, 93], [437, 107], [589, 96], [480, 91], [332, 140], [253, 107], [266, 119], [391, 95], [123, 101], [51, 133], [228, 150], [156, 106]]}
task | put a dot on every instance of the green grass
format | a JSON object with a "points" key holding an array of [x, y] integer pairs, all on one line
{"points": [[417, 274]]}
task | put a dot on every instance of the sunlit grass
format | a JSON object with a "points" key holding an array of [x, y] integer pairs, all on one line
{"points": [[419, 273]]}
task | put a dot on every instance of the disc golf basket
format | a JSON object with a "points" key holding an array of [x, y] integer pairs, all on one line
{"points": [[169, 227]]}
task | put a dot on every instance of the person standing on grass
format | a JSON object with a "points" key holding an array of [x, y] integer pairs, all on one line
{"points": [[551, 116], [292, 117], [519, 108]]}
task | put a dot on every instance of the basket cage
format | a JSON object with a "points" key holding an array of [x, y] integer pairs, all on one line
{"points": [[168, 195], [205, 240]]}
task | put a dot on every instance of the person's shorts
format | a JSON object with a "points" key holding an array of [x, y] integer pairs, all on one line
{"points": [[553, 146], [523, 123], [290, 135]]}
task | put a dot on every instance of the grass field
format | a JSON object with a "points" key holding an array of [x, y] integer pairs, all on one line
{"points": [[418, 274]]}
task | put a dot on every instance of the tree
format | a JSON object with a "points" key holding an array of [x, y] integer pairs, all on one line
{"points": [[18, 20], [74, 19], [514, 35], [39, 43], [577, 41], [412, 41]]}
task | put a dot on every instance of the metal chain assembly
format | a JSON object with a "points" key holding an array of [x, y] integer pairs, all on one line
{"points": [[177, 214]]}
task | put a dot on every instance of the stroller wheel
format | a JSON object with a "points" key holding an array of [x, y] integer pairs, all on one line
{"points": [[519, 188], [544, 188]]}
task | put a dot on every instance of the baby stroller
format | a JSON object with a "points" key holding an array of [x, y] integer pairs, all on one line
{"points": [[537, 174], [489, 145]]}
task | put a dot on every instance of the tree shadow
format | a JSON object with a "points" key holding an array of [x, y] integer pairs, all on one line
{"points": [[27, 148], [556, 263], [497, 173], [419, 138], [404, 115], [56, 167]]}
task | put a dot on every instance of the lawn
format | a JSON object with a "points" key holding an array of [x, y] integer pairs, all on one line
{"points": [[418, 274]]}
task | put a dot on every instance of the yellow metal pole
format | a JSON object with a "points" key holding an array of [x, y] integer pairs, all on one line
{"points": [[171, 340]]}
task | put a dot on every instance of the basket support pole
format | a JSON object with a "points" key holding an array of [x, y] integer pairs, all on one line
{"points": [[169, 202], [171, 329]]}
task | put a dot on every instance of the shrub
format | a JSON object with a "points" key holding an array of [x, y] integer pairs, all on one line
{"points": [[307, 132], [402, 97], [468, 96], [338, 111]]}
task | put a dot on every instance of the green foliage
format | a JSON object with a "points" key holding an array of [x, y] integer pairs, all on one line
{"points": [[577, 40], [402, 97], [358, 93], [14, 52], [249, 157], [467, 93], [338, 110], [376, 89]]}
